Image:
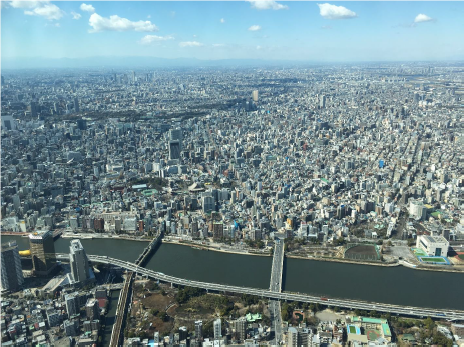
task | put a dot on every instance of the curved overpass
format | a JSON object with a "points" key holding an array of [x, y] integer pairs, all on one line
{"points": [[346, 303]]}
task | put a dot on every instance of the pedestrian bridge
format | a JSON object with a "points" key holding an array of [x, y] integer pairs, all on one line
{"points": [[345, 303]]}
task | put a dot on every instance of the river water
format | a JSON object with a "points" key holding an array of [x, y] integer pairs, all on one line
{"points": [[392, 285]]}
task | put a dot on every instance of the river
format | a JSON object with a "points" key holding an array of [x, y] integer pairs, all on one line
{"points": [[391, 285], [110, 317]]}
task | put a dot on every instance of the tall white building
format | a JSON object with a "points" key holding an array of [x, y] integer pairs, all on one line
{"points": [[217, 329], [255, 95], [433, 245], [417, 209], [79, 262], [12, 271]]}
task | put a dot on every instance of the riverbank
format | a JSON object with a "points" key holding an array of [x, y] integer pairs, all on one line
{"points": [[340, 260], [101, 236], [12, 233], [214, 249]]}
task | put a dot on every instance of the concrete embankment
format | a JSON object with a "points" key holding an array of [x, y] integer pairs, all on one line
{"points": [[104, 237], [340, 260], [215, 249]]}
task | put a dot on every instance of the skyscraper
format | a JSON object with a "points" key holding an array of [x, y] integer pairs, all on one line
{"points": [[76, 105], [42, 252], [12, 271], [323, 101], [91, 309], [72, 304], [255, 95], [175, 134], [33, 109], [174, 149], [78, 261]]}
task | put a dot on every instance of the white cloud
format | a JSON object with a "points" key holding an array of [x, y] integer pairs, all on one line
{"points": [[420, 18], [222, 20], [218, 45], [76, 15], [190, 44], [27, 4], [329, 11], [267, 5], [116, 23], [254, 28], [87, 8], [49, 11], [148, 39]]}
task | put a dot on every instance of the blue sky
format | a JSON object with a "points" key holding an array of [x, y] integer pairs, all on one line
{"points": [[286, 30]]}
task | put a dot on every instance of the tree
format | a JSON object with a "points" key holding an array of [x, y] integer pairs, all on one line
{"points": [[428, 322], [163, 316]]}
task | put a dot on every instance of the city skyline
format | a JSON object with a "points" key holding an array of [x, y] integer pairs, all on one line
{"points": [[252, 30]]}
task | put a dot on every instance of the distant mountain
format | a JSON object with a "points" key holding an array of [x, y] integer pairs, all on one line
{"points": [[139, 62]]}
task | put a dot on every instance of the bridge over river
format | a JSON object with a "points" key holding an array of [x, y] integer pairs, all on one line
{"points": [[450, 315]]}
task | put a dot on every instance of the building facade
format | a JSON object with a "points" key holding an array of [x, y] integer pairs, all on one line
{"points": [[12, 271], [79, 262], [42, 252]]}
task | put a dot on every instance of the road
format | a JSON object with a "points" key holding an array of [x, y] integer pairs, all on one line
{"points": [[276, 286], [277, 266]]}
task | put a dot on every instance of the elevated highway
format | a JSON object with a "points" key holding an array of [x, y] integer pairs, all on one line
{"points": [[448, 314], [276, 286], [277, 266]]}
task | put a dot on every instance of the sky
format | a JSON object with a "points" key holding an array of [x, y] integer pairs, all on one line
{"points": [[335, 31]]}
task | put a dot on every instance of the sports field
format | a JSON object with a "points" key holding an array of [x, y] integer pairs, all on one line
{"points": [[372, 334], [434, 260], [352, 329]]}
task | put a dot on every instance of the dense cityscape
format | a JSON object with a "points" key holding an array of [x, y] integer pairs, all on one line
{"points": [[347, 163]]}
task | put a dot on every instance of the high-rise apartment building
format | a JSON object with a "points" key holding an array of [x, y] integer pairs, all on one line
{"points": [[42, 252], [254, 94], [174, 149], [323, 100], [12, 271], [292, 339], [199, 329], [91, 309], [79, 262], [72, 302], [217, 329]]}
